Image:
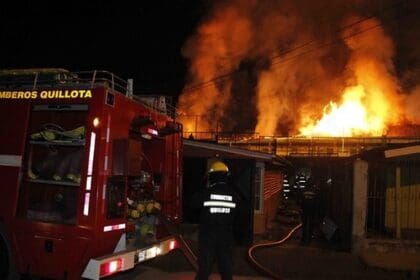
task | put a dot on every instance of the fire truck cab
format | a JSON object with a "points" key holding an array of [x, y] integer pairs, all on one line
{"points": [[88, 171]]}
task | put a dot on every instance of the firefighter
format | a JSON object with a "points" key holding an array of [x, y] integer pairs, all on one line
{"points": [[309, 204], [217, 203]]}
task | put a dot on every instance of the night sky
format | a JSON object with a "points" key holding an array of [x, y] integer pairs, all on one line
{"points": [[133, 39], [143, 40]]}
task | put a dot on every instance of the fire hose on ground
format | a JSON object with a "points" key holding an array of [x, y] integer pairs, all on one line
{"points": [[270, 244]]}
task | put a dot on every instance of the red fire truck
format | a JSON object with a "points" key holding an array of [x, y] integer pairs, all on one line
{"points": [[86, 170]]}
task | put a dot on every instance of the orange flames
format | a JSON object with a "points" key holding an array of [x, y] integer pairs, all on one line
{"points": [[349, 118], [217, 48], [348, 88], [367, 108]]}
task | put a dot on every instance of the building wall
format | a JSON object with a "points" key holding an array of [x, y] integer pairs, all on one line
{"points": [[272, 186], [371, 240]]}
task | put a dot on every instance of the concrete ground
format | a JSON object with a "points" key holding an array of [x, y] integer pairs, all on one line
{"points": [[150, 273], [289, 261], [402, 261], [286, 261]]}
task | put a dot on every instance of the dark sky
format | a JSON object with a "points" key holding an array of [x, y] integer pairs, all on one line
{"points": [[133, 39]]}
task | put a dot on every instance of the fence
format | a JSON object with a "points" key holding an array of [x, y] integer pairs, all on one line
{"points": [[394, 199]]}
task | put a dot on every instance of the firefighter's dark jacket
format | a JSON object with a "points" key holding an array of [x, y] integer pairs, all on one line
{"points": [[217, 205], [308, 199]]}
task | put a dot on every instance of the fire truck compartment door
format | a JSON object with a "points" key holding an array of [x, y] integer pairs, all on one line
{"points": [[13, 118], [50, 256]]}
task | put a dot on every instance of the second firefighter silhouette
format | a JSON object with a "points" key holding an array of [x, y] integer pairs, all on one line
{"points": [[217, 203], [309, 202]]}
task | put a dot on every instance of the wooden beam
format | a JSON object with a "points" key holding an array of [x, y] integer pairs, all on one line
{"points": [[402, 151]]}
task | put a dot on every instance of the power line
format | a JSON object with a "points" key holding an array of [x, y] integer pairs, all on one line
{"points": [[326, 44], [281, 60]]}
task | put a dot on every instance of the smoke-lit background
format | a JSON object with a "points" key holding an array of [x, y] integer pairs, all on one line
{"points": [[272, 66], [275, 67]]}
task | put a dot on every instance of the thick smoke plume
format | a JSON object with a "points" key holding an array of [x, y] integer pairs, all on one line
{"points": [[272, 66]]}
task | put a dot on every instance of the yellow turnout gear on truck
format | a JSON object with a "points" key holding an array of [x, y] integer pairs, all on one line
{"points": [[142, 214], [51, 132]]}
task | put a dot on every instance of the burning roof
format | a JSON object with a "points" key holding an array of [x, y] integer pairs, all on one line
{"points": [[318, 68]]}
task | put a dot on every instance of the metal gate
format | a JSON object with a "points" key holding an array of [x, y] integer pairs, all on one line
{"points": [[394, 198], [335, 198]]}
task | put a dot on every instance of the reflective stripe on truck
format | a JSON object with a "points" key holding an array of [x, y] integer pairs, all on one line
{"points": [[11, 160], [125, 260]]}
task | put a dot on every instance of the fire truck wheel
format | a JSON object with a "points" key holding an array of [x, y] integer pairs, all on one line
{"points": [[7, 268]]}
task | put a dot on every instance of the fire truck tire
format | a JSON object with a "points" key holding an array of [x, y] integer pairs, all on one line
{"points": [[7, 266]]}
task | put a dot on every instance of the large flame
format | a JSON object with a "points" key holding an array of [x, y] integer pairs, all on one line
{"points": [[348, 118], [293, 73], [373, 103]]}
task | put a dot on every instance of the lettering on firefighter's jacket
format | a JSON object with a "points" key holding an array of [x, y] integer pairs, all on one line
{"points": [[46, 94]]}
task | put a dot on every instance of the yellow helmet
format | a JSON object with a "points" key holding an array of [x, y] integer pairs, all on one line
{"points": [[140, 207], [149, 207], [218, 166], [134, 214]]}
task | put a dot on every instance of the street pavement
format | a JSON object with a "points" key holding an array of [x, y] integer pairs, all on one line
{"points": [[289, 261], [149, 273]]}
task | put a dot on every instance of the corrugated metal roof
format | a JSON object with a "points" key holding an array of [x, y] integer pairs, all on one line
{"points": [[204, 149], [406, 151]]}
